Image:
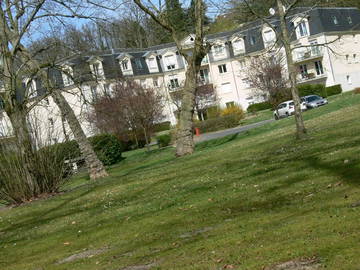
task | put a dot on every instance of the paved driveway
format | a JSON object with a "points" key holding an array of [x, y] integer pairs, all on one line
{"points": [[223, 133]]}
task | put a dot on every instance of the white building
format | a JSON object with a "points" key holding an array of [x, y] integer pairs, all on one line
{"points": [[163, 68]]}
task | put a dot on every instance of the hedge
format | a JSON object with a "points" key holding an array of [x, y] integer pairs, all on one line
{"points": [[107, 147], [219, 123], [312, 89], [259, 107], [334, 90], [163, 140]]}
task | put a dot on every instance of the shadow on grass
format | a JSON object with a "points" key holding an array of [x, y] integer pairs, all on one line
{"points": [[216, 142], [347, 171]]}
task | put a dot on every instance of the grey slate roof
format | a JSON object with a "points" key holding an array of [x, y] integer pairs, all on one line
{"points": [[320, 20]]}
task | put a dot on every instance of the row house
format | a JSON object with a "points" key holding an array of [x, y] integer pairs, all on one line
{"points": [[326, 50]]}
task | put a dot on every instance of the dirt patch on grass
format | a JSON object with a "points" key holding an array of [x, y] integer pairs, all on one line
{"points": [[139, 267], [82, 255], [196, 232], [300, 264]]}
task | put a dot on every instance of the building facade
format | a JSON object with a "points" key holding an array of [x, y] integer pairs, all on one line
{"points": [[326, 50]]}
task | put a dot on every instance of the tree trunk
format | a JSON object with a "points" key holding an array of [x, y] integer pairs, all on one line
{"points": [[95, 167], [300, 127], [21, 132], [184, 135], [146, 140]]}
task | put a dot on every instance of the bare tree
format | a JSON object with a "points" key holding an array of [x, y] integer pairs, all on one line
{"points": [[193, 56], [267, 76], [129, 108], [20, 67]]}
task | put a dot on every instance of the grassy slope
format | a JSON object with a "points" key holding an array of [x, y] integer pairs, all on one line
{"points": [[261, 197]]}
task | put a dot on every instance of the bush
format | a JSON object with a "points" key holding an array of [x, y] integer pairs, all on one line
{"points": [[219, 123], [163, 140], [312, 89], [162, 126], [108, 148], [334, 90], [259, 107], [15, 184], [237, 111]]}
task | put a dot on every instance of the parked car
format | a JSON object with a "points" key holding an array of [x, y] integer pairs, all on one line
{"points": [[287, 108], [314, 101]]}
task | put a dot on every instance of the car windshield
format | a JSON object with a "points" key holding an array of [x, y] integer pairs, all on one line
{"points": [[312, 98]]}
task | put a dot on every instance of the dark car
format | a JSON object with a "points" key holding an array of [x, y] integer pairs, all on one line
{"points": [[314, 101]]}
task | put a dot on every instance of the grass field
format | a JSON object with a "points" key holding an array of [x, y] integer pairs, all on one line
{"points": [[244, 201]]}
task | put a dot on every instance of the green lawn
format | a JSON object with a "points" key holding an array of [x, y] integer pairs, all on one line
{"points": [[248, 200]]}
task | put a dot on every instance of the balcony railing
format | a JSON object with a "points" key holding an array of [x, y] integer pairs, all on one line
{"points": [[308, 54], [310, 77]]}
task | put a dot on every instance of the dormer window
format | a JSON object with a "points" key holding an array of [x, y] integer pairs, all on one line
{"points": [[96, 70], [218, 49], [152, 62], [170, 62], [302, 29], [67, 75], [269, 36], [125, 64], [238, 45]]}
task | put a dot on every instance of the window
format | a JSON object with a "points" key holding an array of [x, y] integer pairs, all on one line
{"points": [[218, 49], [230, 104], [242, 64], [93, 90], [107, 88], [124, 64], [303, 71], [314, 49], [319, 68], [246, 82], [170, 62], [51, 122], [96, 67], [355, 60], [152, 62], [348, 60], [335, 20], [155, 82], [174, 83], [302, 29], [269, 36], [204, 75], [348, 79], [252, 40], [226, 87], [349, 20], [138, 63], [222, 68], [238, 45]]}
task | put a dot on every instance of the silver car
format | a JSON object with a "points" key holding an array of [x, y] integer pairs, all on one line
{"points": [[314, 101]]}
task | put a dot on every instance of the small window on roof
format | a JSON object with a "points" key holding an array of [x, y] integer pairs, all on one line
{"points": [[138, 63], [349, 20], [252, 40]]}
